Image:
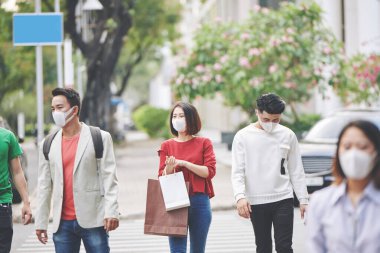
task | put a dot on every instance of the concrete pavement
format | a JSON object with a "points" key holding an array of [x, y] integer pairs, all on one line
{"points": [[137, 161]]}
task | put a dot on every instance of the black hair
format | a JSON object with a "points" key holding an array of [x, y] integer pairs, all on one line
{"points": [[193, 121], [271, 103], [71, 95], [372, 132]]}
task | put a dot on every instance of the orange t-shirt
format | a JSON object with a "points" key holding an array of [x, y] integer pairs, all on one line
{"points": [[69, 150]]}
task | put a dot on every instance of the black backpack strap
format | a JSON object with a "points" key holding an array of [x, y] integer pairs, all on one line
{"points": [[47, 144], [97, 140]]}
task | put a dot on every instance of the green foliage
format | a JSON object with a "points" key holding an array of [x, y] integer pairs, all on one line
{"points": [[284, 51], [16, 63], [152, 121], [154, 24], [303, 124], [17, 71]]}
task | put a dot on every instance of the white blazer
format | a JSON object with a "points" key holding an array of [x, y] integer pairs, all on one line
{"points": [[90, 207]]}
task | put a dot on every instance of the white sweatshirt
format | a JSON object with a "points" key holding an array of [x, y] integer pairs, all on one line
{"points": [[256, 166]]}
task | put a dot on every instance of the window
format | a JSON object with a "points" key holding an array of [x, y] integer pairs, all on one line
{"points": [[272, 4]]}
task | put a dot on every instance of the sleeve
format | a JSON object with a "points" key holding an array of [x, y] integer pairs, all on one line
{"points": [[296, 171], [162, 153], [209, 158], [44, 191], [315, 239], [15, 149], [109, 176], [238, 168]]}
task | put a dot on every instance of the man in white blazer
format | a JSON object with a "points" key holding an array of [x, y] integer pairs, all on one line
{"points": [[85, 206]]}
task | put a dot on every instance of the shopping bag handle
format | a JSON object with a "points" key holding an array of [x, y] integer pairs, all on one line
{"points": [[164, 173]]}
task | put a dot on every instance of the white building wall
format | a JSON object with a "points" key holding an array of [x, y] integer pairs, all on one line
{"points": [[160, 94]]}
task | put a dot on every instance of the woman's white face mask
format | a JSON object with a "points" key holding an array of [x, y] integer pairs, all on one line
{"points": [[60, 118], [179, 124], [356, 164]]}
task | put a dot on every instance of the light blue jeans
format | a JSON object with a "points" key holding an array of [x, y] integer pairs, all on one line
{"points": [[199, 224], [69, 235]]}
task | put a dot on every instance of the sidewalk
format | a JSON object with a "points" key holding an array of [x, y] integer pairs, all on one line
{"points": [[137, 161]]}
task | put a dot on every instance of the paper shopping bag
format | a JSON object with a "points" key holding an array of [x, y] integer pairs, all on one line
{"points": [[157, 220], [174, 191]]}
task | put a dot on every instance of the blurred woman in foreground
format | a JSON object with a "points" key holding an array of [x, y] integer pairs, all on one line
{"points": [[345, 216]]}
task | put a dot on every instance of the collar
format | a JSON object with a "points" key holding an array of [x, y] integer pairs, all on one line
{"points": [[339, 193], [370, 192]]}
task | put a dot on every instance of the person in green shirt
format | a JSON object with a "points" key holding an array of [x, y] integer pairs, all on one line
{"points": [[10, 152]]}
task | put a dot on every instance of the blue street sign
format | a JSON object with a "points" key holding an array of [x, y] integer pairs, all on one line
{"points": [[37, 29]]}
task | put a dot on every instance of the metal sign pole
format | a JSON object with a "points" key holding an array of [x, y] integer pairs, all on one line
{"points": [[59, 52], [39, 81]]}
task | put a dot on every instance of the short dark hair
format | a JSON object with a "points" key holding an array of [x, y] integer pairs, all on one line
{"points": [[372, 132], [271, 103], [193, 121], [71, 95]]}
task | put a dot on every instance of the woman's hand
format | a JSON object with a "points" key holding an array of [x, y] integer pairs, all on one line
{"points": [[170, 163]]}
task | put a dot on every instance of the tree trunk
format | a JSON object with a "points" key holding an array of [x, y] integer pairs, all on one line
{"points": [[102, 54]]}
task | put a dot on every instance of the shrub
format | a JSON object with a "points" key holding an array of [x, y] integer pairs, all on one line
{"points": [[303, 123], [284, 51], [152, 121]]}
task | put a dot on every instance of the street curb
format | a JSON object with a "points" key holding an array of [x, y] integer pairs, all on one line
{"points": [[134, 216]]}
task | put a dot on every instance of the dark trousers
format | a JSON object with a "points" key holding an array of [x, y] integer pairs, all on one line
{"points": [[281, 215], [6, 228]]}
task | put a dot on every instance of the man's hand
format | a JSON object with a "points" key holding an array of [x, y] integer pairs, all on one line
{"points": [[26, 213], [111, 224], [42, 235], [303, 209], [244, 208]]}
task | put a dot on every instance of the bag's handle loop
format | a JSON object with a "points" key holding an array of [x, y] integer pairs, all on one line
{"points": [[164, 173]]}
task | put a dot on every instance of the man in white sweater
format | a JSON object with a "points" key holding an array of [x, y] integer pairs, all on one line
{"points": [[266, 168]]}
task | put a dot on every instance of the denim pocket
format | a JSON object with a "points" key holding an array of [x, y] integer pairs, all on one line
{"points": [[5, 216]]}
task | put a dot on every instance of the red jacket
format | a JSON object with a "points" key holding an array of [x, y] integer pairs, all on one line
{"points": [[199, 151]]}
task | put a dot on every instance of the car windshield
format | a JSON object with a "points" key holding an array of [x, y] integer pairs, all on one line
{"points": [[327, 130]]}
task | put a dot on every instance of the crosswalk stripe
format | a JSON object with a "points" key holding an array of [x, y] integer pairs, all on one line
{"points": [[227, 234]]}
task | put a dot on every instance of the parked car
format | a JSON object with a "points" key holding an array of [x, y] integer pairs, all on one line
{"points": [[24, 163], [318, 147]]}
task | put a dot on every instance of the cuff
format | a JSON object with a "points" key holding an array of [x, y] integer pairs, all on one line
{"points": [[239, 196], [304, 201]]}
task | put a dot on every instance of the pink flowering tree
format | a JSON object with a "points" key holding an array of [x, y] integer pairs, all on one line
{"points": [[287, 51], [363, 85]]}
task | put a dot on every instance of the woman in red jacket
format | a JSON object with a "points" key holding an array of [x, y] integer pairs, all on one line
{"points": [[194, 156]]}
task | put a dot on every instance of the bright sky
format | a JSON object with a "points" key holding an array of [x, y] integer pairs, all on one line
{"points": [[9, 5]]}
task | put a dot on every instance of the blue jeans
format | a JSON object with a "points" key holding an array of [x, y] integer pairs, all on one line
{"points": [[199, 223], [69, 235]]}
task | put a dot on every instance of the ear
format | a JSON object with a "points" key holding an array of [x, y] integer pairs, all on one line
{"points": [[76, 110]]}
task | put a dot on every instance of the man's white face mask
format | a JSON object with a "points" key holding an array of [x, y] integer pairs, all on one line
{"points": [[60, 118], [267, 126]]}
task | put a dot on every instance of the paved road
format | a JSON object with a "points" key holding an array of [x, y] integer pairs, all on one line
{"points": [[137, 161], [228, 233]]}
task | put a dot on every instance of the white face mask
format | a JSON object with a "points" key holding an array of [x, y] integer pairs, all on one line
{"points": [[179, 124], [267, 126], [356, 164], [60, 117]]}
